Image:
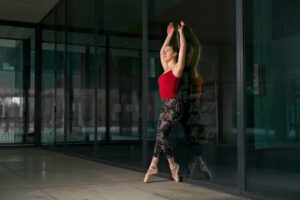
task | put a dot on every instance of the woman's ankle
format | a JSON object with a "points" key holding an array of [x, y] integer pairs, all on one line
{"points": [[173, 165], [153, 167]]}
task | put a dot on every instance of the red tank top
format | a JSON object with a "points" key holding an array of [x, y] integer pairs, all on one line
{"points": [[168, 84]]}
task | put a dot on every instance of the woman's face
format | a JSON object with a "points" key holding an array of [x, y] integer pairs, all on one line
{"points": [[169, 53]]}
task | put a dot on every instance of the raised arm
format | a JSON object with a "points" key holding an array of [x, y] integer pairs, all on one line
{"points": [[193, 56], [170, 31], [195, 53], [182, 50]]}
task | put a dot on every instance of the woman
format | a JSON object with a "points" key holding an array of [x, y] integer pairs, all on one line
{"points": [[173, 63]]}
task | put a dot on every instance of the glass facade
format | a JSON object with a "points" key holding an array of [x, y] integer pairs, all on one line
{"points": [[271, 97], [80, 73], [208, 127], [17, 91], [92, 56], [48, 80], [93, 82]]}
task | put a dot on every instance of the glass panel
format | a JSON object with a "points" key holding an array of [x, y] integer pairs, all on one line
{"points": [[11, 91], [120, 77], [31, 93], [81, 69], [48, 100], [125, 87], [60, 67], [60, 93], [81, 15], [122, 16], [207, 130], [272, 97], [48, 81], [101, 95], [82, 94], [16, 84]]}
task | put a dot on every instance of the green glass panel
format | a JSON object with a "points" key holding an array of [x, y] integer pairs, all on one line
{"points": [[271, 97]]}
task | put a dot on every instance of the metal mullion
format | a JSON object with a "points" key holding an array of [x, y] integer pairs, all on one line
{"points": [[66, 95], [145, 82], [240, 96], [107, 91], [38, 74], [26, 86], [55, 73], [96, 80]]}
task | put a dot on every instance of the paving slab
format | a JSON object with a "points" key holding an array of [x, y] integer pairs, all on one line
{"points": [[32, 173]]}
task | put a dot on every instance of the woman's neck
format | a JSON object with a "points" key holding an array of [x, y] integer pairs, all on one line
{"points": [[171, 64]]}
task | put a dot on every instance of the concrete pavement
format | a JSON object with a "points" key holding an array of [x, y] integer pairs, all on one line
{"points": [[32, 173]]}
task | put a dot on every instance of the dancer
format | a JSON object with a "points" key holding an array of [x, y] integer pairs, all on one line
{"points": [[173, 63]]}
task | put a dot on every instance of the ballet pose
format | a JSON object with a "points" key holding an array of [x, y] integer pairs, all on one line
{"points": [[173, 63]]}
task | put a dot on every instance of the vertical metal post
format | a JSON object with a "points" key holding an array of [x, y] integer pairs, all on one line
{"points": [[55, 75], [26, 86], [38, 82], [107, 91], [240, 95], [96, 78], [145, 82], [66, 71]]}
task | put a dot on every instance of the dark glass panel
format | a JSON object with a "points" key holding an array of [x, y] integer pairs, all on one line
{"points": [[272, 98], [48, 80], [16, 85]]}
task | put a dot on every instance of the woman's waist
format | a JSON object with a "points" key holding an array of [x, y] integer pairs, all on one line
{"points": [[168, 99], [171, 104]]}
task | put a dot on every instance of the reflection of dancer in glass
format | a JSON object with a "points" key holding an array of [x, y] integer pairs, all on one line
{"points": [[191, 114], [171, 109]]}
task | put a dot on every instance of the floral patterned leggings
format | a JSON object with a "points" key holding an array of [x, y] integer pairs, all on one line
{"points": [[171, 112]]}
